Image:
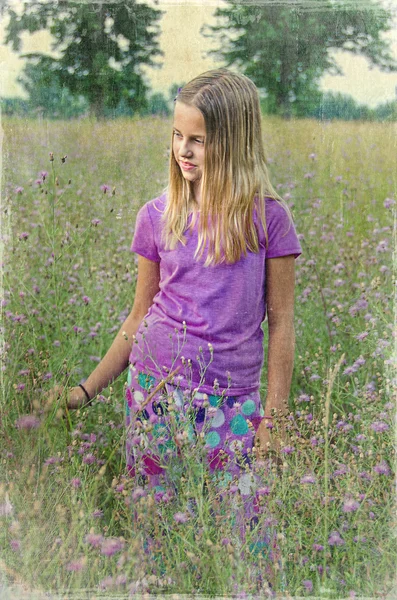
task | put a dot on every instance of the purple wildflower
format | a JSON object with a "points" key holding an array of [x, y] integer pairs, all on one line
{"points": [[19, 189], [349, 370], [24, 235], [350, 505], [181, 517], [318, 547], [86, 299], [361, 336], [359, 362], [308, 479], [52, 460], [341, 471], [97, 514], [89, 459], [75, 482], [105, 188], [288, 449], [382, 468], [308, 585], [379, 426], [76, 565], [111, 545], [304, 398], [28, 422], [15, 545], [335, 539], [389, 202], [96, 222], [94, 539]]}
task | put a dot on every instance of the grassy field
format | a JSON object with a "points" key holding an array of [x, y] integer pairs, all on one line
{"points": [[67, 283]]}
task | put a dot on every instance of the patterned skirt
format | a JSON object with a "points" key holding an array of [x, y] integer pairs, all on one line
{"points": [[167, 438]]}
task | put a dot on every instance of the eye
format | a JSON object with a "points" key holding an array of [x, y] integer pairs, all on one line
{"points": [[177, 134], [199, 141]]}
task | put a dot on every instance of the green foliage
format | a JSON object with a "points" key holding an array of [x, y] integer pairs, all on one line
{"points": [[47, 96], [340, 106], [65, 238], [14, 106], [99, 49], [158, 105], [285, 48], [69, 281]]}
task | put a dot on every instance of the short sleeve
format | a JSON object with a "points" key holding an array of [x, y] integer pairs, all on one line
{"points": [[144, 242], [282, 237]]}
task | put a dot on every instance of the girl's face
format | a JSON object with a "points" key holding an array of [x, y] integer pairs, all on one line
{"points": [[188, 144]]}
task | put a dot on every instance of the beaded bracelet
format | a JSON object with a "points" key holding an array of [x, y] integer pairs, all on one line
{"points": [[86, 393]]}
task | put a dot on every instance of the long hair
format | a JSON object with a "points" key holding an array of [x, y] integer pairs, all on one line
{"points": [[235, 178]]}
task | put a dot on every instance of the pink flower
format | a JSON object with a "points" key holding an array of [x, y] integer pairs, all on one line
{"points": [[75, 482], [15, 545], [111, 545], [94, 539], [379, 426], [389, 202], [181, 517], [105, 188], [350, 505], [89, 459], [76, 565], [28, 422], [335, 539], [308, 479], [382, 468]]}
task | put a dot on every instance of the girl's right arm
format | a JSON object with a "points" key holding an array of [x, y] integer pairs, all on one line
{"points": [[115, 360]]}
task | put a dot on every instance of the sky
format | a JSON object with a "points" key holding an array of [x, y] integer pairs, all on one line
{"points": [[186, 55]]}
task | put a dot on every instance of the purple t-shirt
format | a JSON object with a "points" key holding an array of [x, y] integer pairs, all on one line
{"points": [[222, 305]]}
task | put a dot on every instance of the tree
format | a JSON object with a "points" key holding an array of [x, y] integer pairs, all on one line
{"points": [[99, 47], [47, 96], [285, 48]]}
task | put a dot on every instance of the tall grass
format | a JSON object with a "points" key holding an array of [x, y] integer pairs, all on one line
{"points": [[68, 283]]}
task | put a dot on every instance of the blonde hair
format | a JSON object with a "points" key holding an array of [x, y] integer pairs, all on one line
{"points": [[235, 176]]}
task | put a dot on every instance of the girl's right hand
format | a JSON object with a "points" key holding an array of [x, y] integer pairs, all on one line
{"points": [[72, 398]]}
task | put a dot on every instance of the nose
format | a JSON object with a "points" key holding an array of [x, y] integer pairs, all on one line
{"points": [[185, 150]]}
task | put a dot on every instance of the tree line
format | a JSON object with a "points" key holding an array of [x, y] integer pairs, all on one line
{"points": [[99, 51]]}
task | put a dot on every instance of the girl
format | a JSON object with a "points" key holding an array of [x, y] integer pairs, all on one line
{"points": [[216, 255]]}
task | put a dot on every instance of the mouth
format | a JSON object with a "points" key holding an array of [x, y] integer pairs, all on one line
{"points": [[186, 166]]}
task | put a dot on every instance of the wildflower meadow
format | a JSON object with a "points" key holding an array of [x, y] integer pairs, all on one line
{"points": [[70, 195]]}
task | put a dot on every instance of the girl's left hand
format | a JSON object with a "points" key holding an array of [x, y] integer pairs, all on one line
{"points": [[270, 438]]}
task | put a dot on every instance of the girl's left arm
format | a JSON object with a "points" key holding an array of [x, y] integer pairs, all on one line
{"points": [[280, 285]]}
